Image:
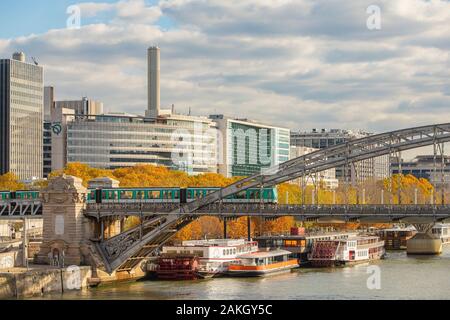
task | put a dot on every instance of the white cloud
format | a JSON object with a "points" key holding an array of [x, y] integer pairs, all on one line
{"points": [[91, 9], [299, 63]]}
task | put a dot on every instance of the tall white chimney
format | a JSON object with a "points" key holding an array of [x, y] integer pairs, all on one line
{"points": [[153, 86]]}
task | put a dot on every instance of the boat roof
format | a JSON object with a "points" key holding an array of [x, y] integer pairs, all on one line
{"points": [[410, 228], [216, 243], [264, 254], [310, 235], [359, 238], [441, 225]]}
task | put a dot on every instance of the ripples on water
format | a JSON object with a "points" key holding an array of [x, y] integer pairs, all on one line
{"points": [[402, 277]]}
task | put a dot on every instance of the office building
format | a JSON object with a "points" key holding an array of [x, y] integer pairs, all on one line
{"points": [[376, 168], [84, 106], [423, 167], [49, 105], [21, 117], [56, 116], [326, 178], [113, 141], [49, 102], [247, 147]]}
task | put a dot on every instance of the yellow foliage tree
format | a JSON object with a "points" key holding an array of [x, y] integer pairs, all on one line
{"points": [[10, 182], [288, 193]]}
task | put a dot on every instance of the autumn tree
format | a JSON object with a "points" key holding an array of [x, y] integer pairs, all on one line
{"points": [[10, 182]]}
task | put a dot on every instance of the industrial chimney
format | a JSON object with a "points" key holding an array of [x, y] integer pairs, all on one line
{"points": [[153, 86]]}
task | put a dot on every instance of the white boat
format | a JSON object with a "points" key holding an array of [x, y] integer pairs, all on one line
{"points": [[262, 263], [346, 251], [442, 230], [213, 256]]}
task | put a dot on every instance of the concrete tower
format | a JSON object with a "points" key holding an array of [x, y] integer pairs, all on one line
{"points": [[153, 86]]}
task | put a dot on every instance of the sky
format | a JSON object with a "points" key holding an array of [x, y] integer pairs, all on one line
{"points": [[300, 64]]}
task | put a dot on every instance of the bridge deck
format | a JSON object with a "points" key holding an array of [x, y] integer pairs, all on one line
{"points": [[377, 213]]}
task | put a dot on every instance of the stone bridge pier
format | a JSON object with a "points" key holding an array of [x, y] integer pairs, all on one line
{"points": [[424, 242], [66, 230]]}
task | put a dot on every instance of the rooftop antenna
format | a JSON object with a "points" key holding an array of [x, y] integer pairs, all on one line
{"points": [[189, 111], [34, 60]]}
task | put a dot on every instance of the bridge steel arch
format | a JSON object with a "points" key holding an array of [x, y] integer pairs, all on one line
{"points": [[339, 155]]}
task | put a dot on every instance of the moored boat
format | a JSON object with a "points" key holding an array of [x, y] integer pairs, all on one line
{"points": [[442, 230], [300, 242], [196, 259], [346, 251], [262, 263], [396, 238]]}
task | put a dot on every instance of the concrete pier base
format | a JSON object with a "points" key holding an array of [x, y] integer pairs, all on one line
{"points": [[424, 243]]}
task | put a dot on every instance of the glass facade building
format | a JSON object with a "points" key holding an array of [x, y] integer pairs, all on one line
{"points": [[114, 141], [247, 147], [21, 118], [47, 148], [376, 168]]}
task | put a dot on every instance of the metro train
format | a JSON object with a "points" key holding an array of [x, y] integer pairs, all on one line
{"points": [[176, 195], [19, 195], [162, 195]]}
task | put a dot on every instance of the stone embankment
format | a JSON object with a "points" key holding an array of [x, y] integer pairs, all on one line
{"points": [[23, 283]]}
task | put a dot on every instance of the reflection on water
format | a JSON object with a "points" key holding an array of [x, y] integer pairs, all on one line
{"points": [[402, 277]]}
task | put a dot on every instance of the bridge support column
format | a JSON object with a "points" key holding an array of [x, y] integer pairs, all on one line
{"points": [[424, 242], [249, 228], [25, 243], [66, 230], [225, 228]]}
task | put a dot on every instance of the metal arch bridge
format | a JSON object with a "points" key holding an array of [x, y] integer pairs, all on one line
{"points": [[128, 249], [125, 251]]}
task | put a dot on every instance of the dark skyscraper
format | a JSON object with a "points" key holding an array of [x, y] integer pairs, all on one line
{"points": [[21, 117]]}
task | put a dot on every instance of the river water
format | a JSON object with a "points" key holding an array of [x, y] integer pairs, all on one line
{"points": [[400, 277]]}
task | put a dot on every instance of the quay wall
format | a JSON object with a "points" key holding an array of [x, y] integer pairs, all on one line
{"points": [[23, 283], [10, 259]]}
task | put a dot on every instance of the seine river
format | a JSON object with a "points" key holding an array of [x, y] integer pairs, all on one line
{"points": [[401, 277]]}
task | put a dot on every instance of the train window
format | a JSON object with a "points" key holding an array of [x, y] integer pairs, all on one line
{"points": [[177, 194], [156, 194]]}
